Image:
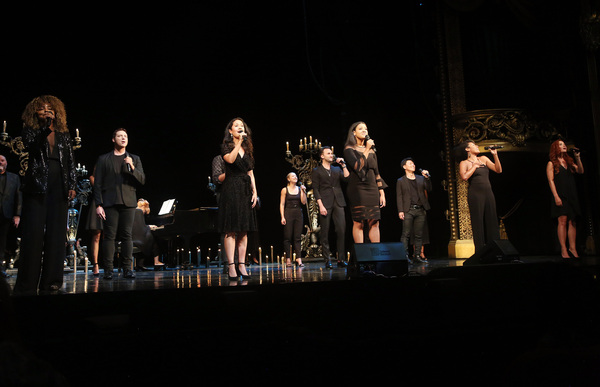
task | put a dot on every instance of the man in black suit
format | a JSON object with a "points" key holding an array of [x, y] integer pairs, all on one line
{"points": [[118, 174], [411, 197], [10, 201], [326, 184]]}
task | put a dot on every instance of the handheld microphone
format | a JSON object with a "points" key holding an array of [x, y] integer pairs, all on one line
{"points": [[576, 150], [492, 147], [426, 174], [127, 164], [367, 138]]}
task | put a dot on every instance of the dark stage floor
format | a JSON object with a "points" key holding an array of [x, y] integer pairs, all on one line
{"points": [[529, 323]]}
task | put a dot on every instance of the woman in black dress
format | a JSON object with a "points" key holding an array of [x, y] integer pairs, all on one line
{"points": [[365, 186], [292, 198], [237, 215], [482, 204], [565, 207]]}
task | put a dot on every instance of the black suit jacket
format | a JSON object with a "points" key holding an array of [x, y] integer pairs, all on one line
{"points": [[12, 198], [106, 180], [403, 192], [327, 188]]}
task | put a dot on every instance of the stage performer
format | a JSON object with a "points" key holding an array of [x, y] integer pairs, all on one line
{"points": [[482, 204], [94, 224], [143, 239], [565, 206], [47, 187], [11, 201], [238, 199], [117, 177], [365, 189], [411, 197], [327, 187], [292, 198]]}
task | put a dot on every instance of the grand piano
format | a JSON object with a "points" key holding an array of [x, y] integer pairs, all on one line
{"points": [[184, 225]]}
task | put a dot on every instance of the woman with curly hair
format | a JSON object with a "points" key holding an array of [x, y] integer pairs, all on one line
{"points": [[47, 187], [565, 206], [237, 215]]}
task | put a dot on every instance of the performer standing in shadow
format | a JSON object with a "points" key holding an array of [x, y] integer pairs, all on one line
{"points": [[560, 172], [482, 204], [118, 174], [11, 201], [365, 186], [238, 199], [47, 187], [327, 188], [291, 200]]}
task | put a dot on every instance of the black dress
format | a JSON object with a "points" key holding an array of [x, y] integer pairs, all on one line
{"points": [[364, 183], [482, 206], [564, 181], [235, 204]]}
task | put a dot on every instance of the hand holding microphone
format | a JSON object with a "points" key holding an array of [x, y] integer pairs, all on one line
{"points": [[425, 173], [493, 147], [128, 162], [367, 139]]}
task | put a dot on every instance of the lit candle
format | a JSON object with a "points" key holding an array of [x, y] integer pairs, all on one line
{"points": [[300, 147], [272, 252], [287, 146], [332, 149], [4, 127], [76, 132]]}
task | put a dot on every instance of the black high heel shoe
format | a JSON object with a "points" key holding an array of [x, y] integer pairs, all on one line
{"points": [[98, 273], [233, 278], [244, 275]]}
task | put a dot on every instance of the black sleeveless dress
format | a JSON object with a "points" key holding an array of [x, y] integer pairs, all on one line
{"points": [[235, 206], [564, 181]]}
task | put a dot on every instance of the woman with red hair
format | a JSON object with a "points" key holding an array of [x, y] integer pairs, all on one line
{"points": [[565, 208]]}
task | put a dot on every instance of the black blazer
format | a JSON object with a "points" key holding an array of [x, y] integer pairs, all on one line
{"points": [[327, 187], [106, 180], [12, 198], [403, 192]]}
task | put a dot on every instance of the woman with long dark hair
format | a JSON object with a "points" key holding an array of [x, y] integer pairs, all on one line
{"points": [[365, 186], [237, 215], [482, 204], [565, 206]]}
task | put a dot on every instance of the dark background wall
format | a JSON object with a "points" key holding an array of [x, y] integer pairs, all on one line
{"points": [[174, 76]]}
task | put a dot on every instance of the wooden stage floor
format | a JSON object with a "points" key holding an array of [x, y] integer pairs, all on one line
{"points": [[529, 323]]}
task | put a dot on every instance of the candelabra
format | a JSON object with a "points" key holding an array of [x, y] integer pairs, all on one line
{"points": [[304, 162]]}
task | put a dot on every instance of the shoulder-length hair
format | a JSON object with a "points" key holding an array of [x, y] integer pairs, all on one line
{"points": [[555, 153], [30, 117], [351, 139], [459, 151], [246, 145]]}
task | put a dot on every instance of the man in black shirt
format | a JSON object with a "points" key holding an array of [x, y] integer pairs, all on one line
{"points": [[10, 206], [411, 197]]}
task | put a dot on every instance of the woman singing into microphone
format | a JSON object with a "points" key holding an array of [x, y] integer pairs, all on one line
{"points": [[565, 207], [365, 185], [482, 204], [237, 215]]}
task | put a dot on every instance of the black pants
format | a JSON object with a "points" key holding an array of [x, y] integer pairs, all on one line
{"points": [[118, 226], [414, 222], [339, 221], [292, 232], [43, 231], [484, 220], [4, 227]]}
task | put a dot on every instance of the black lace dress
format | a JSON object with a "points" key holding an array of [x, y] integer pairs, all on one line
{"points": [[235, 204], [364, 184]]}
